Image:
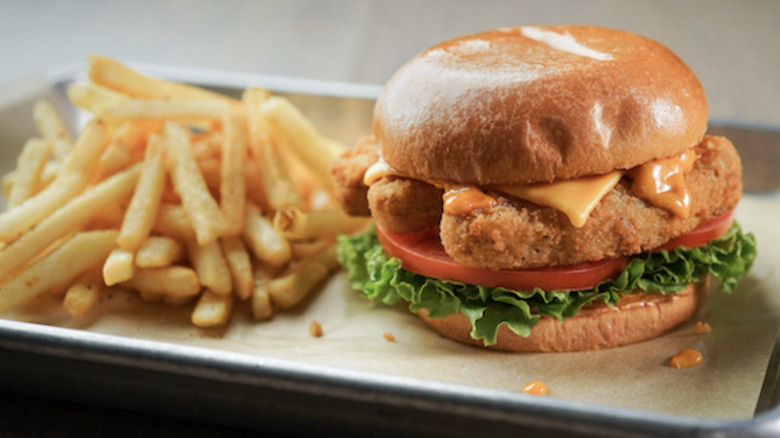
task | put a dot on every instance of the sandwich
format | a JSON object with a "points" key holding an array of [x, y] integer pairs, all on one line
{"points": [[544, 189]]}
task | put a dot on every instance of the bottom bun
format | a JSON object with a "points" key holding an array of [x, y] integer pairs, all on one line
{"points": [[635, 318]]}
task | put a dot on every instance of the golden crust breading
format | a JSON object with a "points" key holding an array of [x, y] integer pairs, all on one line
{"points": [[348, 170], [403, 205], [518, 234]]}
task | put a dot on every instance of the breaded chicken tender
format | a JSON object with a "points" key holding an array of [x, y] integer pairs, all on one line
{"points": [[403, 205], [348, 171], [519, 234]]}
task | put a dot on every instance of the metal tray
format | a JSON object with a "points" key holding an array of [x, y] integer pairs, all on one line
{"points": [[300, 398]]}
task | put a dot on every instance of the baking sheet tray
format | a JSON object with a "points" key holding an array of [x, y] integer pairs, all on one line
{"points": [[354, 386]]}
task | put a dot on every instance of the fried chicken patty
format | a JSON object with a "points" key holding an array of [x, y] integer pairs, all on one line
{"points": [[520, 234], [348, 171]]}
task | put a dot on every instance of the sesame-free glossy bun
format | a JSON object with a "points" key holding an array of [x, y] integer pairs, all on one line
{"points": [[536, 104], [635, 318]]}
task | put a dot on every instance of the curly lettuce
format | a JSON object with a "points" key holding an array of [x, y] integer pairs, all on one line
{"points": [[382, 280]]}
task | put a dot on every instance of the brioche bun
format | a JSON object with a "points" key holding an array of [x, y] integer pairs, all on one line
{"points": [[636, 318], [537, 104]]}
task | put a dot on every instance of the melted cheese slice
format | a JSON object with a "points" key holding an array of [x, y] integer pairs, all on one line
{"points": [[575, 198]]}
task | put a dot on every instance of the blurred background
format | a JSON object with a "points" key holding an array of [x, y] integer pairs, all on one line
{"points": [[733, 46]]}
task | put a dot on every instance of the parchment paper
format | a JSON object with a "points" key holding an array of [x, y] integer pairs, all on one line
{"points": [[736, 352]]}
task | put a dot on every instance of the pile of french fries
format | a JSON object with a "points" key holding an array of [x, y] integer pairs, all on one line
{"points": [[176, 192]]}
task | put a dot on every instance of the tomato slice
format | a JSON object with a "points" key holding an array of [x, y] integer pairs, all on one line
{"points": [[703, 234], [422, 253]]}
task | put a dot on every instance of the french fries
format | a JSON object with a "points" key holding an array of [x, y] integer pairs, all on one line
{"points": [[72, 177], [60, 266], [83, 293], [52, 129], [142, 211], [29, 167], [174, 192], [158, 252], [202, 210]]}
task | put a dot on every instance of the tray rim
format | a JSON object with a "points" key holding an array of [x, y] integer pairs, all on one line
{"points": [[215, 364]]}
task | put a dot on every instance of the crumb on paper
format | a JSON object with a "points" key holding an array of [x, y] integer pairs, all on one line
{"points": [[702, 327], [389, 337], [315, 329]]}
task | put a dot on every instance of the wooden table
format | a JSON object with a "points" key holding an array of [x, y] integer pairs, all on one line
{"points": [[733, 46]]}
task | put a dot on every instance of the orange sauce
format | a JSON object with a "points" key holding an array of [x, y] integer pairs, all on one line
{"points": [[535, 388], [686, 359], [662, 182], [377, 171], [315, 329], [460, 200]]}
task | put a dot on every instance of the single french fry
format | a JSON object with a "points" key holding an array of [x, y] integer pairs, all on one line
{"points": [[261, 301], [211, 169], [173, 280], [114, 75], [202, 210], [160, 109], [119, 267], [88, 96], [292, 287], [60, 266], [300, 136], [67, 219], [48, 175], [72, 177], [8, 183], [304, 249], [52, 129], [86, 152], [211, 266], [212, 310], [110, 216], [240, 265], [142, 210], [83, 293], [263, 240], [29, 166], [158, 252], [293, 223], [278, 188], [232, 189], [172, 221]]}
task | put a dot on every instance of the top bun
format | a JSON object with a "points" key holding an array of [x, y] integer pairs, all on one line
{"points": [[537, 104]]}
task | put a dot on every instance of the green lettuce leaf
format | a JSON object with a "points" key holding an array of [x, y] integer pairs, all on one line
{"points": [[382, 280]]}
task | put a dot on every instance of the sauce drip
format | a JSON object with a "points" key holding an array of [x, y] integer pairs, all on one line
{"points": [[535, 388], [460, 200], [377, 171], [662, 182], [686, 359]]}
